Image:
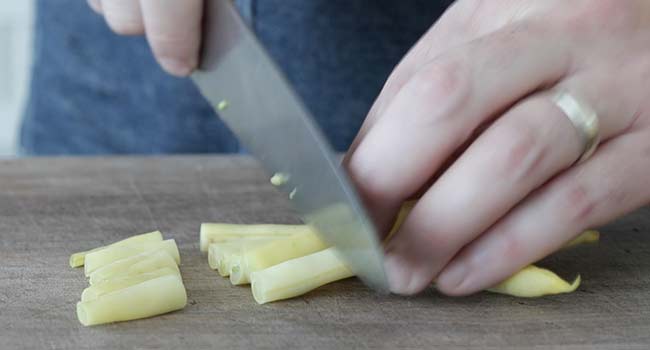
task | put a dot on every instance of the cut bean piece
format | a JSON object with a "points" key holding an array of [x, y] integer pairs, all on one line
{"points": [[217, 232], [106, 256], [150, 298], [273, 253], [134, 265], [296, 277], [222, 255], [78, 259], [121, 282]]}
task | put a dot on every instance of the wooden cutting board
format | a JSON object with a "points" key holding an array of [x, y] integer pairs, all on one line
{"points": [[50, 208]]}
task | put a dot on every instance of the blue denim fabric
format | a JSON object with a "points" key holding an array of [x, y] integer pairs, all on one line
{"points": [[94, 92]]}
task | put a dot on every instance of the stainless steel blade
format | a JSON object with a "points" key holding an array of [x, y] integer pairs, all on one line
{"points": [[254, 98]]}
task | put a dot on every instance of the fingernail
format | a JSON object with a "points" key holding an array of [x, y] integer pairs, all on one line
{"points": [[453, 276], [399, 275], [176, 66]]}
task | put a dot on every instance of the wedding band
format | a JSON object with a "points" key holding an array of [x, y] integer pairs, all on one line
{"points": [[583, 118]]}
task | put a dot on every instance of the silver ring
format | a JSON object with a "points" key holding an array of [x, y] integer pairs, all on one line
{"points": [[583, 118]]}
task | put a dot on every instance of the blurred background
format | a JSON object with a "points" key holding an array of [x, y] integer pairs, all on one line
{"points": [[96, 93], [15, 59]]}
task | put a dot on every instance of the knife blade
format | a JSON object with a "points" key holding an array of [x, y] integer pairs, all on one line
{"points": [[254, 98]]}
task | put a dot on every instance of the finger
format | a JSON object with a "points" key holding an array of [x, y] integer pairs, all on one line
{"points": [[444, 34], [123, 16], [96, 5], [436, 112], [174, 32], [605, 187], [435, 41], [514, 156], [439, 38], [520, 152], [463, 22]]}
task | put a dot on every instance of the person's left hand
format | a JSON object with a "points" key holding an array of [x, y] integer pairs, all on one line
{"points": [[467, 121]]}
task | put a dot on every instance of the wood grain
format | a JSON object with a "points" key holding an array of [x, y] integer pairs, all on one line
{"points": [[50, 208]]}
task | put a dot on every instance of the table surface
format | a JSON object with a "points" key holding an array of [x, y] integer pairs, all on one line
{"points": [[51, 207]]}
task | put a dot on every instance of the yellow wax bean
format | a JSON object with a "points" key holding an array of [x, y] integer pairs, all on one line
{"points": [[217, 232], [301, 275], [77, 259], [291, 266], [401, 217], [121, 282], [149, 298], [222, 255], [272, 253], [137, 264], [533, 282], [585, 237], [298, 276], [106, 256]]}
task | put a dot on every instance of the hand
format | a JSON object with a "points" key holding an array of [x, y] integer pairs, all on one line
{"points": [[172, 27], [466, 121]]}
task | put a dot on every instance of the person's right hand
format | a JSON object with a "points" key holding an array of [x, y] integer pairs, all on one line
{"points": [[172, 27]]}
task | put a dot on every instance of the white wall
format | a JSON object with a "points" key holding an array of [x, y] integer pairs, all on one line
{"points": [[15, 59]]}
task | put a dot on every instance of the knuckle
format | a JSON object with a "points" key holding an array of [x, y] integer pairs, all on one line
{"points": [[437, 241], [435, 234], [523, 151], [441, 77], [579, 204], [375, 185], [445, 83]]}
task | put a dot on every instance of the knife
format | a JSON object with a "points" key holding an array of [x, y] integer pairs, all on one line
{"points": [[241, 81]]}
